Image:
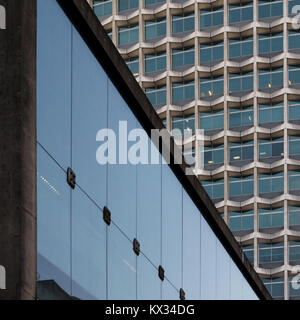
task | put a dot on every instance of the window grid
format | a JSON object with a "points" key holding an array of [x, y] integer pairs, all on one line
{"points": [[155, 62], [241, 221], [271, 218], [240, 47], [271, 182], [240, 12], [271, 252], [183, 57]]}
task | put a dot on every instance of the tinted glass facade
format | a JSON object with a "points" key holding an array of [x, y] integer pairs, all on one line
{"points": [[77, 250]]}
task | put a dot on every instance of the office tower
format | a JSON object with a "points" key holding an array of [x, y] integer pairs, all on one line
{"points": [[231, 68]]}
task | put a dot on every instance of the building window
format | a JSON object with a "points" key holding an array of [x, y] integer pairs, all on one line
{"points": [[150, 2], [294, 252], [270, 78], [241, 151], [211, 17], [128, 34], [270, 8], [214, 154], [183, 57], [211, 86], [294, 216], [183, 23], [270, 182], [249, 252], [240, 12], [270, 112], [294, 75], [293, 3], [275, 286], [294, 110], [155, 28], [133, 65], [271, 253], [183, 124], [155, 62], [213, 120], [294, 181], [270, 148], [242, 220], [182, 91], [214, 188], [271, 218], [240, 82], [211, 51], [294, 291], [294, 39], [103, 8], [294, 145], [239, 117], [242, 47], [268, 43], [241, 186], [157, 95], [128, 4]]}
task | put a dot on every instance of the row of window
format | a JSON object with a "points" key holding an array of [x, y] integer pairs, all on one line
{"points": [[272, 218], [271, 42], [267, 149], [244, 185], [210, 17], [274, 253], [267, 218], [239, 117], [276, 287], [268, 79], [104, 7], [214, 52]]}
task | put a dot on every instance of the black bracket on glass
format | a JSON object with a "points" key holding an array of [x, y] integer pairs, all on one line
{"points": [[106, 216], [161, 273], [71, 178], [136, 247], [182, 294]]}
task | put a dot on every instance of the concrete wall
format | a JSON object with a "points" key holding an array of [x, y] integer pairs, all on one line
{"points": [[17, 149]]}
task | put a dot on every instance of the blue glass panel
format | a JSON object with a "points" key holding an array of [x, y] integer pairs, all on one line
{"points": [[171, 226], [149, 209], [121, 265], [223, 273], [89, 115], [121, 178], [88, 249], [54, 81], [208, 262], [169, 292], [191, 255], [148, 282], [236, 282], [53, 222]]}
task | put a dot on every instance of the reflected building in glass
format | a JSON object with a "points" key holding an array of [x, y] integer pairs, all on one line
{"points": [[231, 68]]}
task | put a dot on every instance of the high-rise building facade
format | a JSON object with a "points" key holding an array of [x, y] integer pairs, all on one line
{"points": [[231, 68]]}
